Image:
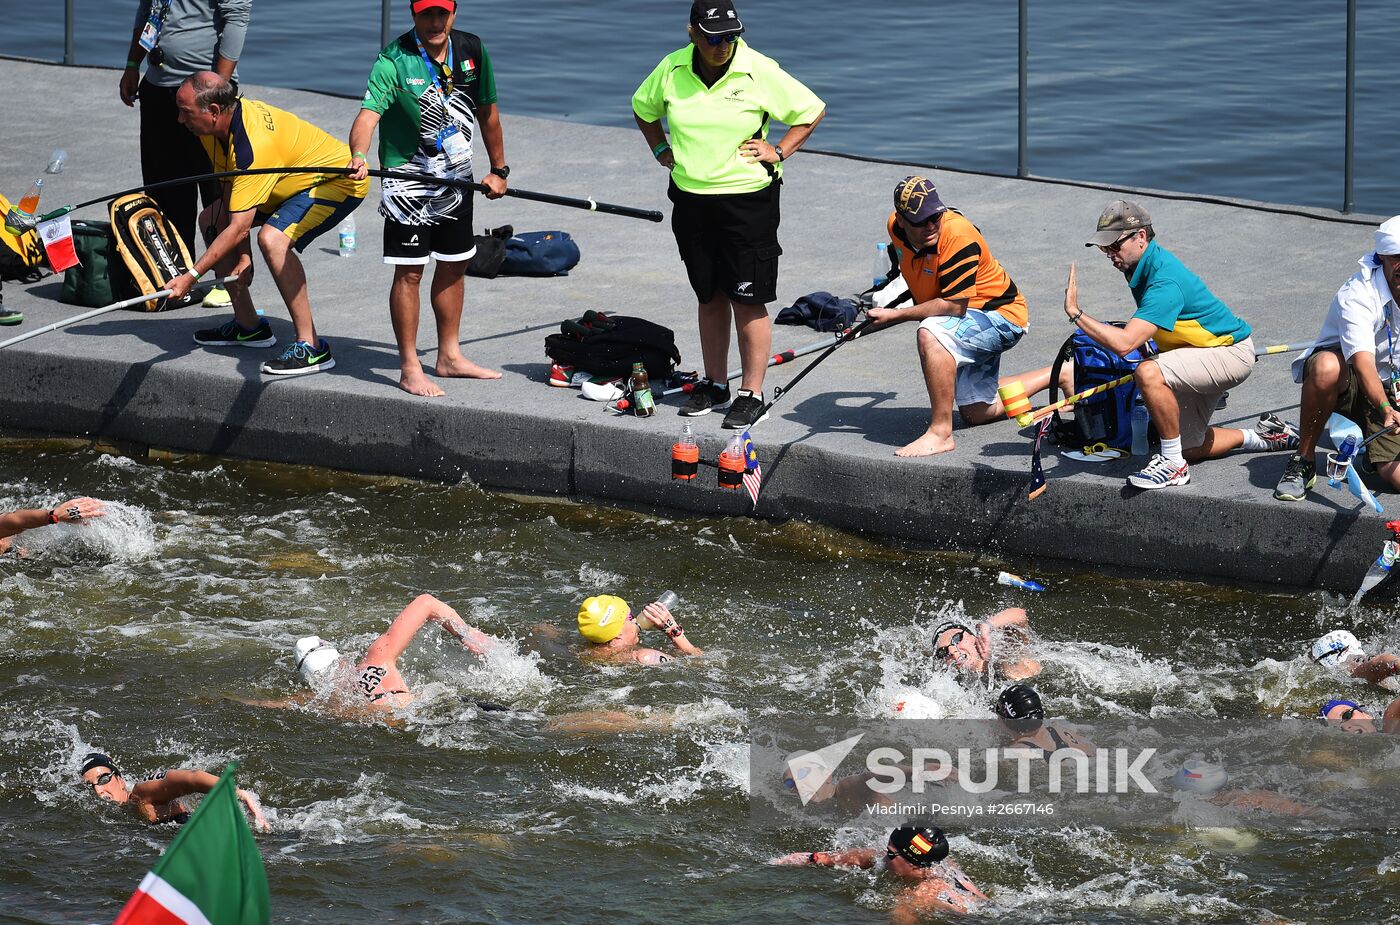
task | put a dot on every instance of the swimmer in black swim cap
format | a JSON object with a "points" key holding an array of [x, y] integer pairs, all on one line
{"points": [[1021, 712], [155, 797], [915, 851]]}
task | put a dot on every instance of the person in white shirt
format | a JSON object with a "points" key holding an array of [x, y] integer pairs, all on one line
{"points": [[1352, 368]]}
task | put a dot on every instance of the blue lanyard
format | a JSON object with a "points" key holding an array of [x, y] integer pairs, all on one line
{"points": [[1390, 339], [433, 66]]}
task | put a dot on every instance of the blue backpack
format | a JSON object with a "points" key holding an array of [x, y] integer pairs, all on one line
{"points": [[1106, 417], [540, 253]]}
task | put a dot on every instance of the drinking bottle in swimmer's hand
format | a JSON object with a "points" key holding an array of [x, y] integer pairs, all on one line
{"points": [[313, 656], [668, 599]]}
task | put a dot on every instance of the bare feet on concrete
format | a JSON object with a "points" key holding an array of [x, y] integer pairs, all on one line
{"points": [[930, 444]]}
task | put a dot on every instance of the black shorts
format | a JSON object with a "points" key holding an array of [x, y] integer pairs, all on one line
{"points": [[451, 241], [729, 243]]}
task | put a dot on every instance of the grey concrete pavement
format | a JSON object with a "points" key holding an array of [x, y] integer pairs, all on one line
{"points": [[827, 451]]}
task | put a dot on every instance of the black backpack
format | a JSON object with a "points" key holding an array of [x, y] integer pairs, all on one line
{"points": [[610, 350]]}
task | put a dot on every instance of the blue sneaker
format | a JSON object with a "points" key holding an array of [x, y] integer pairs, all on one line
{"points": [[300, 359]]}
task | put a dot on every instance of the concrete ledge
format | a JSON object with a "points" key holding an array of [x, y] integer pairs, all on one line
{"points": [[827, 452]]}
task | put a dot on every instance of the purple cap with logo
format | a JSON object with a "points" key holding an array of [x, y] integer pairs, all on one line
{"points": [[916, 200]]}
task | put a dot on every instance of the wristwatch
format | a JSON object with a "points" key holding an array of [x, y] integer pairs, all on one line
{"points": [[781, 156], [502, 171]]}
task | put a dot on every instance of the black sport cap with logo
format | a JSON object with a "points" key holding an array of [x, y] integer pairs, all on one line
{"points": [[715, 17]]}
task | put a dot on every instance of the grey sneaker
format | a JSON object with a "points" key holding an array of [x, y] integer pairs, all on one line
{"points": [[1277, 433], [1299, 475], [704, 398]]}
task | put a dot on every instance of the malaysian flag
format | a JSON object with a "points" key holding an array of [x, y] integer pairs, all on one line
{"points": [[753, 472]]}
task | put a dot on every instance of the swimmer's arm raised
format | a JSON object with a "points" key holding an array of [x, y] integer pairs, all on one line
{"points": [[1390, 720], [71, 511], [424, 609], [660, 617]]}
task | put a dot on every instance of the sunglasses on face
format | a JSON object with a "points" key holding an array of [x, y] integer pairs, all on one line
{"points": [[943, 651], [716, 40], [1116, 246]]}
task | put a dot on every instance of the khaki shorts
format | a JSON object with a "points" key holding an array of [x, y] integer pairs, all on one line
{"points": [[1199, 376], [1352, 404]]}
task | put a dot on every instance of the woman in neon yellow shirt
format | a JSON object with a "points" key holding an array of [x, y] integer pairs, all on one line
{"points": [[717, 95]]}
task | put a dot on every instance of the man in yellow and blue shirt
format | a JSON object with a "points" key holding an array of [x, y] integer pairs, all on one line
{"points": [[293, 209]]}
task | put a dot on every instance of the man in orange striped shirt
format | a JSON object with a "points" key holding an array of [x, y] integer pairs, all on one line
{"points": [[968, 308]]}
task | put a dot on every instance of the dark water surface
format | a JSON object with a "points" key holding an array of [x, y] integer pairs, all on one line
{"points": [[1238, 99], [137, 633]]}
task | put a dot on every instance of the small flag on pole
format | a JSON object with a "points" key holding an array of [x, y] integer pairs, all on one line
{"points": [[1038, 484], [753, 472], [212, 873], [57, 236]]}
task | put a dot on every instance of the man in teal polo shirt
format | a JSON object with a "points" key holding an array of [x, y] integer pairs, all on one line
{"points": [[429, 93], [718, 95], [1206, 349]]}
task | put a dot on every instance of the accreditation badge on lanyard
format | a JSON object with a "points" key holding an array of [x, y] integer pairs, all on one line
{"points": [[450, 140], [150, 33]]}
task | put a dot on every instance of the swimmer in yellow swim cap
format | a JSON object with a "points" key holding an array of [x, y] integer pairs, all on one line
{"points": [[614, 633]]}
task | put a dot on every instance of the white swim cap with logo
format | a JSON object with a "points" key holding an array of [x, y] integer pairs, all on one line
{"points": [[1201, 777], [1337, 648], [313, 656]]}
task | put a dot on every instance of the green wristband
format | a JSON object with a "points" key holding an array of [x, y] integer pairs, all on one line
{"points": [[661, 148], [130, 63], [361, 155]]}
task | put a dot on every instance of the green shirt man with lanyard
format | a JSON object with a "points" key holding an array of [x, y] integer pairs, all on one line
{"points": [[429, 93]]}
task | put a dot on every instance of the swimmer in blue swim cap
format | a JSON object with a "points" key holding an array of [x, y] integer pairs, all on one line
{"points": [[1348, 716], [155, 797], [916, 851]]}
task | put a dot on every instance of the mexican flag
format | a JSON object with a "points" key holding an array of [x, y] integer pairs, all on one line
{"points": [[212, 873]]}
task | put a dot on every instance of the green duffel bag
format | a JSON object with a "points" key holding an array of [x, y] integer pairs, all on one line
{"points": [[101, 278]]}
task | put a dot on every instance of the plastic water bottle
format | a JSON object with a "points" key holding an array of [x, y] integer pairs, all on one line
{"points": [[29, 202], [57, 161], [1344, 454], [1378, 571], [685, 455], [668, 599], [882, 265], [347, 237], [1016, 581], [1140, 420]]}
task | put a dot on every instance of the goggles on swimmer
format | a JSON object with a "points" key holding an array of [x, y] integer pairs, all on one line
{"points": [[941, 652]]}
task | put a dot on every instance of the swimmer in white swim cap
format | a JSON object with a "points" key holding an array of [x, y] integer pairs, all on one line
{"points": [[1340, 651], [377, 685], [1206, 781]]}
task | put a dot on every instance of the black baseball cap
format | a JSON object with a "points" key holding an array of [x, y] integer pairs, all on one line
{"points": [[715, 17]]}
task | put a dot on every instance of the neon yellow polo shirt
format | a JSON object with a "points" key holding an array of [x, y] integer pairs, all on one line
{"points": [[709, 123]]}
